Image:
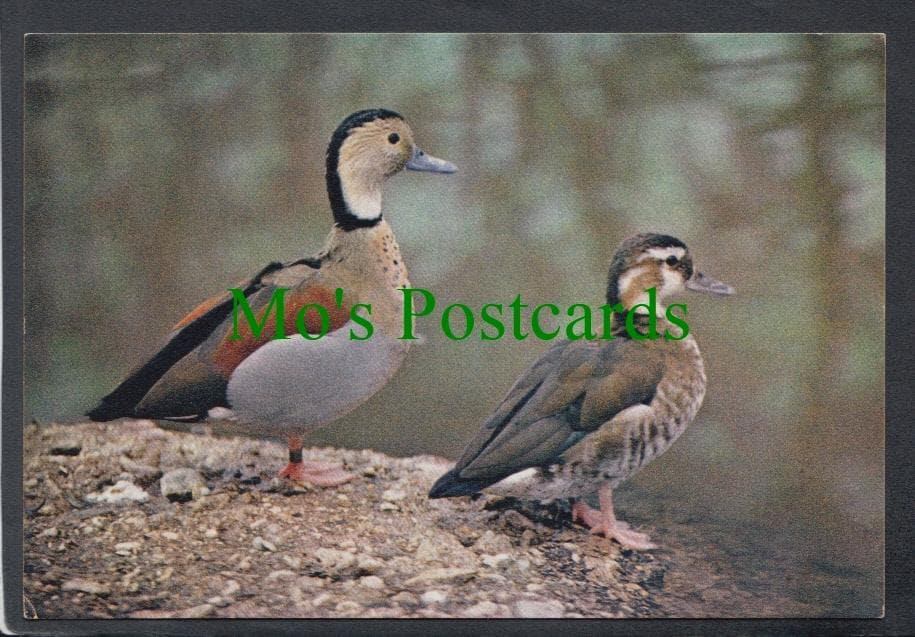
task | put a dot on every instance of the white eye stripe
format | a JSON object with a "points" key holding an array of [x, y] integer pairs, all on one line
{"points": [[662, 253]]}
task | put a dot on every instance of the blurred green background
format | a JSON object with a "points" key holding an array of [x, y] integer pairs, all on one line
{"points": [[159, 169]]}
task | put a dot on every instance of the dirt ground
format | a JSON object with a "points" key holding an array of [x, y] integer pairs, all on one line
{"points": [[101, 540]]}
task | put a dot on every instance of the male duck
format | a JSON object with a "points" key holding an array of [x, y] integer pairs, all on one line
{"points": [[589, 414], [294, 385]]}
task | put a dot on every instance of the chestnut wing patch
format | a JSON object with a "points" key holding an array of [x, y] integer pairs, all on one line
{"points": [[187, 335], [231, 352]]}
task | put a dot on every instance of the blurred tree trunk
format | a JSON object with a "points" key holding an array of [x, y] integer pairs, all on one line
{"points": [[819, 197]]}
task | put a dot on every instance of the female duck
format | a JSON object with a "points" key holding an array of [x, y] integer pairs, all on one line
{"points": [[589, 414]]}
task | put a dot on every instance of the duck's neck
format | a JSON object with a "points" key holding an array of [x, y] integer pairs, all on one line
{"points": [[630, 290], [355, 196]]}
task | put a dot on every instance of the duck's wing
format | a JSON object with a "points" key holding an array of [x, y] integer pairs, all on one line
{"points": [[187, 376], [565, 395]]}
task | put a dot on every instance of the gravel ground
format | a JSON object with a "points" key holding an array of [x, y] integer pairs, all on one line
{"points": [[129, 520]]}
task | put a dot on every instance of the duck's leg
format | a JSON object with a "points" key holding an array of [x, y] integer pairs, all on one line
{"points": [[319, 474], [604, 522]]}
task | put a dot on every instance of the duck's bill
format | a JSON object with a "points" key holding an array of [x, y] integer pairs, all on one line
{"points": [[429, 164], [706, 284]]}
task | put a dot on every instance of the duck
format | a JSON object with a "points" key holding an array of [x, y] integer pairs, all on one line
{"points": [[590, 413], [290, 386]]}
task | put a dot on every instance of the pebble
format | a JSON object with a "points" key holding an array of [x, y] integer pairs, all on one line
{"points": [[393, 495], [126, 548], [231, 587], [372, 582], [388, 506], [50, 532], [170, 535], [195, 612], [368, 565], [283, 574], [482, 609], [219, 602], [182, 485], [335, 562], [322, 599], [497, 561], [492, 543], [122, 492], [348, 606], [86, 586], [211, 533], [263, 545], [531, 608], [406, 598], [434, 597]]}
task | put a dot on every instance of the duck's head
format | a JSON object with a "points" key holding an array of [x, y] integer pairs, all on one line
{"points": [[368, 147], [657, 261]]}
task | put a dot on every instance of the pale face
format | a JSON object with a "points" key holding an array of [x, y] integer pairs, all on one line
{"points": [[665, 269], [369, 155]]}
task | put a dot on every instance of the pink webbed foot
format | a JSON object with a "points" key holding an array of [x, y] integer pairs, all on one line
{"points": [[319, 474], [603, 522]]}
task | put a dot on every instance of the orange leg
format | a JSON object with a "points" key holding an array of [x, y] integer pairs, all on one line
{"points": [[319, 474], [603, 522]]}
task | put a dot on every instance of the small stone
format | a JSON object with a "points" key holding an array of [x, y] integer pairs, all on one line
{"points": [[405, 598], [51, 532], [535, 608], [263, 545], [497, 561], [183, 485], [122, 492], [219, 602], [393, 495], [282, 574], [211, 533], [126, 548], [372, 582], [466, 535], [482, 609], [292, 562], [348, 606], [322, 599], [335, 562], [307, 583], [388, 506], [195, 611], [442, 575], [367, 565], [231, 587], [244, 565], [492, 543], [85, 586], [434, 597], [170, 535]]}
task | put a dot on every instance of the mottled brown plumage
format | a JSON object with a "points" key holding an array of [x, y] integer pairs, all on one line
{"points": [[589, 414]]}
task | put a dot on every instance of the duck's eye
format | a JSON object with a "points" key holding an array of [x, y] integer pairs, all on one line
{"points": [[672, 260], [393, 138]]}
